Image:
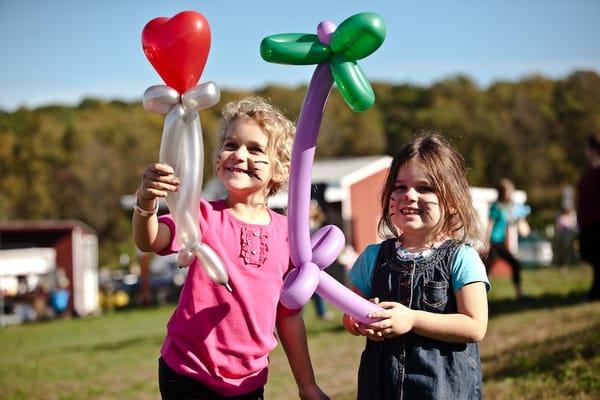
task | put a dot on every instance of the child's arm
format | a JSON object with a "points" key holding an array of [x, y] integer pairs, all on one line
{"points": [[292, 333], [148, 234], [468, 325]]}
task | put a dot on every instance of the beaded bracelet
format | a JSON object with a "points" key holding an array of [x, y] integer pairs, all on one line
{"points": [[142, 212]]}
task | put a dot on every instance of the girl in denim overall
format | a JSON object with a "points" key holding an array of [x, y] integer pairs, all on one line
{"points": [[428, 278]]}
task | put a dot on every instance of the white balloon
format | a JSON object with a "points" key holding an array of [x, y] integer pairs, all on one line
{"points": [[200, 97], [182, 148], [159, 99], [185, 257], [212, 264]]}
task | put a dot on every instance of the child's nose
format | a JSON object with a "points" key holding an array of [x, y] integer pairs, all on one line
{"points": [[241, 153], [409, 195]]}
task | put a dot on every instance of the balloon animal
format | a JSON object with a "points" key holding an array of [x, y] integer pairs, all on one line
{"points": [[177, 48], [335, 51]]}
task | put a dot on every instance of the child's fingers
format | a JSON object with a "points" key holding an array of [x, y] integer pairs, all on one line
{"points": [[157, 174], [157, 193], [363, 330], [376, 336], [388, 304], [379, 314], [381, 325], [367, 332], [157, 177], [164, 184], [161, 169]]}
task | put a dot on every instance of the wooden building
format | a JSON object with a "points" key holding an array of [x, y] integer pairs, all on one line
{"points": [[72, 244]]}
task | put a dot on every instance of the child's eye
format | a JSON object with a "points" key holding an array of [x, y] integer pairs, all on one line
{"points": [[230, 146], [256, 150], [400, 189], [425, 189]]}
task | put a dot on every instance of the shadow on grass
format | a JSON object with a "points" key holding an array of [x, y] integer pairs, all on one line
{"points": [[155, 341], [319, 328], [553, 356], [553, 300]]}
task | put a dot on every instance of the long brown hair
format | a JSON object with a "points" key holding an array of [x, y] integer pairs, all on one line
{"points": [[447, 173]]}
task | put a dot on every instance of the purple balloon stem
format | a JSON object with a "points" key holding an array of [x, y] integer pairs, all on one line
{"points": [[303, 151]]}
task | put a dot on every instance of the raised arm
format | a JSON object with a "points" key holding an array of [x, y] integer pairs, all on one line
{"points": [[148, 234]]}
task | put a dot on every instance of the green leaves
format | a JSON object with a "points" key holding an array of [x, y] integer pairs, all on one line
{"points": [[358, 36], [352, 82], [355, 38], [294, 48]]}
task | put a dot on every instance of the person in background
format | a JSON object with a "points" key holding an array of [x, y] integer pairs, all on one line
{"points": [[59, 296], [429, 279], [317, 217], [23, 300], [500, 218], [347, 258], [588, 213], [565, 232], [218, 343]]}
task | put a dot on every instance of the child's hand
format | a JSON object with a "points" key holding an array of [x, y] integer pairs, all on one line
{"points": [[366, 329], [312, 392], [396, 320], [157, 181]]}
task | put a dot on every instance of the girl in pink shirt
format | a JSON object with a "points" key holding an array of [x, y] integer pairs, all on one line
{"points": [[217, 342]]}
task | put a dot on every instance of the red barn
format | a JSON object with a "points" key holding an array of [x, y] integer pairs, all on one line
{"points": [[72, 246]]}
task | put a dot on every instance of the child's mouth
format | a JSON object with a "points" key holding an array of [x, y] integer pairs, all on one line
{"points": [[242, 171], [409, 211], [239, 170]]}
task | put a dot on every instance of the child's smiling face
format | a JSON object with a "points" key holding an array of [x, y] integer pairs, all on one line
{"points": [[243, 163], [414, 205]]}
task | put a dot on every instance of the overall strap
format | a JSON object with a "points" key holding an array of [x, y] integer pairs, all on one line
{"points": [[382, 255]]}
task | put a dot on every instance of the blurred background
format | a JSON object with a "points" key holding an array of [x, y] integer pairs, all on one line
{"points": [[515, 86]]}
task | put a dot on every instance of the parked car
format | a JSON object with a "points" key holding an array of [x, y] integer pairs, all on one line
{"points": [[535, 251], [121, 290], [166, 279]]}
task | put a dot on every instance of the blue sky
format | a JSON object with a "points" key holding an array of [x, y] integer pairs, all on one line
{"points": [[62, 51]]}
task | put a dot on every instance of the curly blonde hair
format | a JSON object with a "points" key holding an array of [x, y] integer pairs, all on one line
{"points": [[278, 128]]}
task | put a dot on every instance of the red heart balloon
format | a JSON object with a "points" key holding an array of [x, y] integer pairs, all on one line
{"points": [[177, 48]]}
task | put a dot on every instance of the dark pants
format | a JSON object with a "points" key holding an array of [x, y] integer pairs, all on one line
{"points": [[589, 242], [174, 386], [499, 250]]}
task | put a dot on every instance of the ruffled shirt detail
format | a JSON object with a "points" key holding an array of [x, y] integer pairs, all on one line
{"points": [[255, 245], [406, 255]]}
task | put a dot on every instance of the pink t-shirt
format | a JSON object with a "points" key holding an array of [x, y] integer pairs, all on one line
{"points": [[223, 339]]}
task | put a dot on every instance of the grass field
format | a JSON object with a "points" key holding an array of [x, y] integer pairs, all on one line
{"points": [[547, 347]]}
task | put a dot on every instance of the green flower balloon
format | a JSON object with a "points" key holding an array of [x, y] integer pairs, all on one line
{"points": [[354, 39]]}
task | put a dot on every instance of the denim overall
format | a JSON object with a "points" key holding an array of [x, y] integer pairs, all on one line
{"points": [[412, 366]]}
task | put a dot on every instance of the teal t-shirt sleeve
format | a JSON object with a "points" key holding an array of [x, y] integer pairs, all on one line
{"points": [[494, 210], [362, 271], [468, 268]]}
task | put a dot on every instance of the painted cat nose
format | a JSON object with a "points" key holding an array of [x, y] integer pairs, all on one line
{"points": [[240, 153], [409, 195]]}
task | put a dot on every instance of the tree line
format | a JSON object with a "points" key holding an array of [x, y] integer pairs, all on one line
{"points": [[59, 162]]}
